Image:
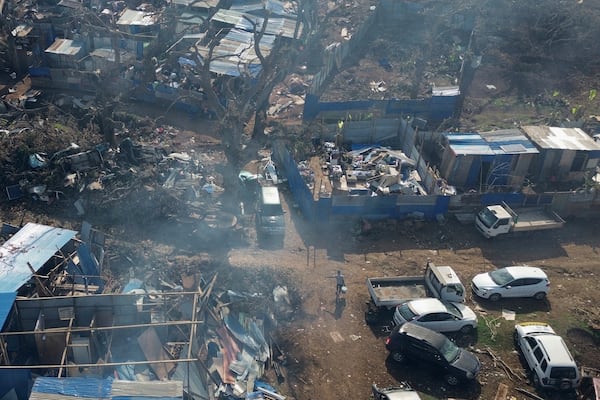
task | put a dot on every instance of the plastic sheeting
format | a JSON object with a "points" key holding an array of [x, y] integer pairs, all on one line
{"points": [[104, 388]]}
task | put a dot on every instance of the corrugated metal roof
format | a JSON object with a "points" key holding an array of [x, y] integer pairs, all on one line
{"points": [[284, 27], [468, 144], [22, 30], [34, 244], [65, 46], [7, 299], [445, 91], [206, 4], [275, 7], [507, 141], [235, 53], [74, 4], [138, 18], [547, 137], [104, 388]]}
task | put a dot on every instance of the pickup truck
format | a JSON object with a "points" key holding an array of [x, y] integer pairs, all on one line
{"points": [[388, 292], [500, 219]]}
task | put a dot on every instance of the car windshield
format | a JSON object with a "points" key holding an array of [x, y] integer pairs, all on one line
{"points": [[563, 372], [450, 351], [487, 217], [406, 312], [452, 309], [272, 209], [501, 276]]}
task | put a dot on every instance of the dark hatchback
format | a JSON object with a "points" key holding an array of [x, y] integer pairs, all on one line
{"points": [[416, 342]]}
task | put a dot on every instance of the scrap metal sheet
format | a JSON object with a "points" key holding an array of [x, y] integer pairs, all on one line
{"points": [[34, 244]]}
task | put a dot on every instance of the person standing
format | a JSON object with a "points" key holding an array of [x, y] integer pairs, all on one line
{"points": [[340, 283]]}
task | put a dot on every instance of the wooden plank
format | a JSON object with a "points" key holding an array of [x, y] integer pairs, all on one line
{"points": [[153, 350], [502, 392]]}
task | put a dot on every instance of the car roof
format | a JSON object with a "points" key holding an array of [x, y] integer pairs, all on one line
{"points": [[499, 211], [403, 395], [427, 306], [557, 350], [419, 332], [445, 274], [524, 271], [270, 195]]}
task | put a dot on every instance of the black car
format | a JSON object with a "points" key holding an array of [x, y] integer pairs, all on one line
{"points": [[416, 342]]}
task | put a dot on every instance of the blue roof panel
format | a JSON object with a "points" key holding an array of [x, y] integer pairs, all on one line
{"points": [[7, 300], [506, 141], [34, 244], [82, 387]]}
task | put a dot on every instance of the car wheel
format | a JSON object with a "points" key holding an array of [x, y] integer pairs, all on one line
{"points": [[565, 384], [536, 380], [466, 329], [539, 296], [495, 297], [398, 357], [451, 380], [516, 339]]}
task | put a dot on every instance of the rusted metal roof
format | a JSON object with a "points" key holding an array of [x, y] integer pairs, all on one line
{"points": [[65, 46], [33, 245], [21, 30]]}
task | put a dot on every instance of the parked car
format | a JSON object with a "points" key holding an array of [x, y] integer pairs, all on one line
{"points": [[516, 281], [437, 315], [547, 356], [412, 341], [401, 392]]}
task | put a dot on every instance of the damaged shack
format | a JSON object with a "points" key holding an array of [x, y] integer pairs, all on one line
{"points": [[171, 339]]}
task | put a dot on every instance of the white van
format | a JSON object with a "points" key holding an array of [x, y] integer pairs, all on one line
{"points": [[443, 283]]}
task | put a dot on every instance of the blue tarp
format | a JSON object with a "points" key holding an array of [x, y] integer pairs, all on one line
{"points": [[33, 245]]}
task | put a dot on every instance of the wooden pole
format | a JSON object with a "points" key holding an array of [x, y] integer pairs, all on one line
{"points": [[101, 328], [63, 358]]}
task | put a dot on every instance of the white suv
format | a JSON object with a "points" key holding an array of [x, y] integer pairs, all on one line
{"points": [[517, 281], [547, 356]]}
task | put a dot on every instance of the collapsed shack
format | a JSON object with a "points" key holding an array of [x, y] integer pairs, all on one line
{"points": [[199, 338]]}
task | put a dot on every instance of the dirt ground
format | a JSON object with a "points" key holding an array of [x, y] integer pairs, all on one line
{"points": [[330, 353], [333, 354]]}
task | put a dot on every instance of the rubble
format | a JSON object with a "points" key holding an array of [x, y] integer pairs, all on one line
{"points": [[192, 337], [372, 171]]}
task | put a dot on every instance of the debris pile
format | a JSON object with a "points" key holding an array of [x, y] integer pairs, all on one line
{"points": [[146, 178], [372, 171], [169, 325]]}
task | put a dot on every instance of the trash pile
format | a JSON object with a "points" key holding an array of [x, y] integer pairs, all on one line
{"points": [[372, 171], [146, 178]]}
